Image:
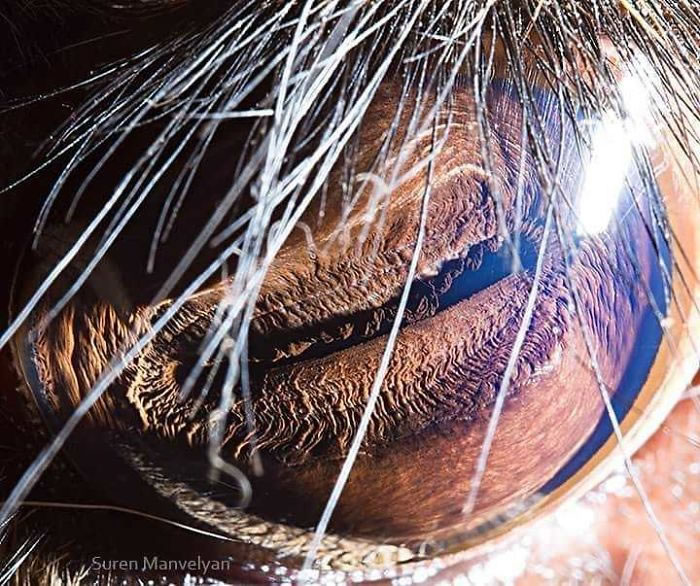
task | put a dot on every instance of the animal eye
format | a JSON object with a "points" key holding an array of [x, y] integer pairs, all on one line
{"points": [[496, 275]]}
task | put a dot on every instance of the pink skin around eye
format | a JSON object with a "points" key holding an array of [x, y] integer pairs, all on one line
{"points": [[606, 536]]}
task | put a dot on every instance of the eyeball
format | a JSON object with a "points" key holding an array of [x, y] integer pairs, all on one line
{"points": [[548, 325]]}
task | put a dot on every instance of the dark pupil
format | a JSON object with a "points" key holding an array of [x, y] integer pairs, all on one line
{"points": [[458, 279]]}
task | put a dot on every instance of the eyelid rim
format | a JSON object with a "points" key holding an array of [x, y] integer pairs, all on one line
{"points": [[655, 401], [672, 372]]}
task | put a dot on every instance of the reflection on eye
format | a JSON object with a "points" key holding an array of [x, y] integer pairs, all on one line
{"points": [[320, 327], [485, 271], [612, 156]]}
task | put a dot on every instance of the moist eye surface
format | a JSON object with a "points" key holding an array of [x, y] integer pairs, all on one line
{"points": [[280, 162], [320, 325]]}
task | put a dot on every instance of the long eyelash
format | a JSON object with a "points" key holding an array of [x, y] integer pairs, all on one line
{"points": [[21, 554], [106, 507], [502, 392], [200, 78], [627, 457]]}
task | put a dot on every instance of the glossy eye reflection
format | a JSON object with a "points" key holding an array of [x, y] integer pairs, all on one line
{"points": [[541, 287]]}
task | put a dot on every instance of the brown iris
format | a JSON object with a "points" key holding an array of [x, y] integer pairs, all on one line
{"points": [[320, 327]]}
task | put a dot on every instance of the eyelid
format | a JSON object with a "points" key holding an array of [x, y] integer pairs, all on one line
{"points": [[695, 255]]}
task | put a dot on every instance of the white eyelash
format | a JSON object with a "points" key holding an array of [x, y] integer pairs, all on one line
{"points": [[332, 42]]}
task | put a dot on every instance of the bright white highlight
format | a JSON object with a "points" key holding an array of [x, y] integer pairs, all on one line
{"points": [[612, 154]]}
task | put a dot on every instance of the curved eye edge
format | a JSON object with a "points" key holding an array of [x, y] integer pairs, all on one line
{"points": [[658, 394], [675, 367]]}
